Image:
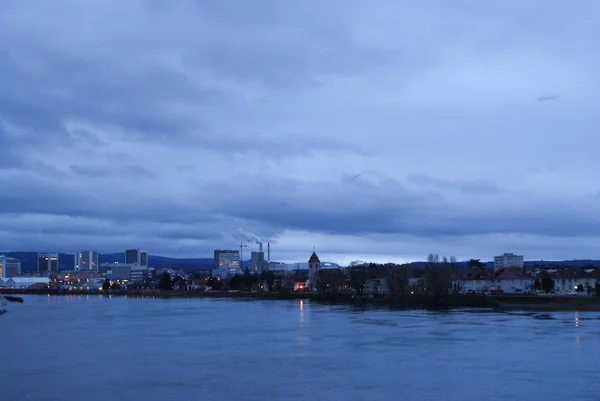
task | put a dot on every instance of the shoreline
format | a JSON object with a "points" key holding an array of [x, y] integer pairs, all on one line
{"points": [[391, 301]]}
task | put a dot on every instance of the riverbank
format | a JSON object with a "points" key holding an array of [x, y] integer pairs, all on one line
{"points": [[393, 301]]}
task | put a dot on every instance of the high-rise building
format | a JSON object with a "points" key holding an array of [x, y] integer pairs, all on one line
{"points": [[136, 257], [508, 261], [257, 261], [86, 260], [47, 263], [227, 260], [9, 267]]}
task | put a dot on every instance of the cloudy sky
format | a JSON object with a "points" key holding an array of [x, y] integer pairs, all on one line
{"points": [[378, 130]]}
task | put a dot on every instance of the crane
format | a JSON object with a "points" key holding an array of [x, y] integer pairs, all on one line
{"points": [[242, 246]]}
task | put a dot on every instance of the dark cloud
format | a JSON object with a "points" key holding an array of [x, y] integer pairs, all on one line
{"points": [[254, 118]]}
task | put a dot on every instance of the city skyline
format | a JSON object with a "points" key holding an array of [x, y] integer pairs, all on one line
{"points": [[387, 133]]}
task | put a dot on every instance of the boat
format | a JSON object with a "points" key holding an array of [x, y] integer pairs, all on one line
{"points": [[4, 302]]}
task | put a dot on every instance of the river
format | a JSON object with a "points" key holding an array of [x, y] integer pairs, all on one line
{"points": [[116, 348]]}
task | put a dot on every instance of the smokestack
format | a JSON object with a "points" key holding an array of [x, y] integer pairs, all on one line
{"points": [[269, 252], [260, 249]]}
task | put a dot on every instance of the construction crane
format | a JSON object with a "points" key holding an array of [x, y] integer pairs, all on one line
{"points": [[242, 246]]}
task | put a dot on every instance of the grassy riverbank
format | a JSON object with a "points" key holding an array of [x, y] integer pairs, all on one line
{"points": [[394, 301]]}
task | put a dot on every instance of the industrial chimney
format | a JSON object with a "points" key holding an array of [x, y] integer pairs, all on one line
{"points": [[269, 252]]}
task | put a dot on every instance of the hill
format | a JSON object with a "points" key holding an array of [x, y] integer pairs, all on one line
{"points": [[66, 262], [189, 264]]}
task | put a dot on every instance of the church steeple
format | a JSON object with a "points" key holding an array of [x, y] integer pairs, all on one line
{"points": [[314, 264]]}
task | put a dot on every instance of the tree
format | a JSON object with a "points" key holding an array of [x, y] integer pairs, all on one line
{"points": [[330, 280], [165, 283], [358, 278], [475, 263], [215, 283], [398, 279], [433, 258], [269, 277], [537, 285], [453, 263], [106, 284], [357, 263], [438, 279], [547, 284]]}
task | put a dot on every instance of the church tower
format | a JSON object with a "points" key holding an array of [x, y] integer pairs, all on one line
{"points": [[314, 264]]}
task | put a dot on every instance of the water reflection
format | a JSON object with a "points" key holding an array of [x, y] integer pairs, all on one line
{"points": [[303, 350]]}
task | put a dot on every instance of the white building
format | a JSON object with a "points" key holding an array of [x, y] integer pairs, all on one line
{"points": [[23, 282], [86, 260], [508, 261], [9, 267]]}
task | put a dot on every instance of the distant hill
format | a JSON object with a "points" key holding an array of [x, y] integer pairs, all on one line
{"points": [[29, 260], [67, 262], [190, 264], [529, 263]]}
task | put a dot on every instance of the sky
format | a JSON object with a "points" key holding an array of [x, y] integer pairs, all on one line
{"points": [[380, 130]]}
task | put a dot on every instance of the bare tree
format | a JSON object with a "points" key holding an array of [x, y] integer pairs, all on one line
{"points": [[433, 258], [438, 278], [398, 279]]}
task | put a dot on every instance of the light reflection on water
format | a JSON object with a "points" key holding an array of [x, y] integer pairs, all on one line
{"points": [[94, 348]]}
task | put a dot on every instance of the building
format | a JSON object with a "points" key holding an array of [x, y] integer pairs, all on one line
{"points": [[128, 272], [136, 257], [9, 267], [227, 262], [24, 282], [314, 264], [86, 261], [508, 261], [257, 262], [47, 263]]}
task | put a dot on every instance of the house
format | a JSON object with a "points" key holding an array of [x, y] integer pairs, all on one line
{"points": [[512, 281], [575, 279], [179, 284], [196, 284], [299, 285], [466, 285], [377, 285]]}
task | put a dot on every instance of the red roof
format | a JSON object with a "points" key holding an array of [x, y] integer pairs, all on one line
{"points": [[314, 258]]}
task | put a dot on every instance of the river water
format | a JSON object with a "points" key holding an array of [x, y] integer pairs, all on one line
{"points": [[100, 348]]}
